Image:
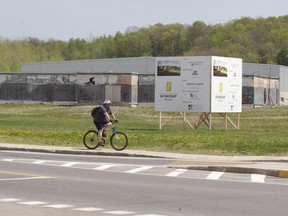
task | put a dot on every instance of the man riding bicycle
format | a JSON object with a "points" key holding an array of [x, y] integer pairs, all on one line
{"points": [[102, 120]]}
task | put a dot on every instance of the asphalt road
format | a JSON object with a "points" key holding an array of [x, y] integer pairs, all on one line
{"points": [[48, 184]]}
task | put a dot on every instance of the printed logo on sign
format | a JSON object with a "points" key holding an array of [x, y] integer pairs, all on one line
{"points": [[193, 96], [168, 96], [220, 87], [220, 97], [168, 86]]}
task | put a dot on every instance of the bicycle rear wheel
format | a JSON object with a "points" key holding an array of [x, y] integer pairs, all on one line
{"points": [[90, 139], [119, 141]]}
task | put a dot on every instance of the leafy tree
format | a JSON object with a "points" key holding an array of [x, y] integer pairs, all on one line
{"points": [[198, 30], [260, 40], [282, 57], [76, 49]]}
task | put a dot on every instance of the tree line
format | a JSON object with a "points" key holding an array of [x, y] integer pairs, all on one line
{"points": [[259, 40]]}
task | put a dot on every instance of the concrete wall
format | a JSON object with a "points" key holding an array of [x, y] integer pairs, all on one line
{"points": [[260, 91], [75, 88], [283, 95], [120, 88]]}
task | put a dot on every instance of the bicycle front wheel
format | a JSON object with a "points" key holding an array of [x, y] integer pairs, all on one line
{"points": [[119, 141], [90, 139]]}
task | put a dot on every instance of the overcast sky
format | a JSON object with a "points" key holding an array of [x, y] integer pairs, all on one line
{"points": [[65, 19]]}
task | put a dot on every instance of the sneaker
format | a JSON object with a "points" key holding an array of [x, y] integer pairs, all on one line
{"points": [[101, 143]]}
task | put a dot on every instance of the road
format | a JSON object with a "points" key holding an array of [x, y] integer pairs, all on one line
{"points": [[53, 184]]}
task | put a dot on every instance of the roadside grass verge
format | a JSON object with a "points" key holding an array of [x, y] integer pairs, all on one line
{"points": [[263, 131]]}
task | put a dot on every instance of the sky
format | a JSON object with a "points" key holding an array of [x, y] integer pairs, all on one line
{"points": [[86, 19]]}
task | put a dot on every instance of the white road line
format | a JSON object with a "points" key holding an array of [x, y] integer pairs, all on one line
{"points": [[139, 169], [39, 162], [215, 175], [103, 167], [9, 200], [88, 209], [8, 160], [27, 178], [176, 172], [150, 215], [69, 164], [258, 178], [119, 212], [32, 203], [59, 206]]}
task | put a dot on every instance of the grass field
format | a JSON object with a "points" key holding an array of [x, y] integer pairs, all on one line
{"points": [[263, 131]]}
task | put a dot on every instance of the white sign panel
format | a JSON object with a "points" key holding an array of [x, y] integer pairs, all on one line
{"points": [[226, 94], [189, 84], [182, 84]]}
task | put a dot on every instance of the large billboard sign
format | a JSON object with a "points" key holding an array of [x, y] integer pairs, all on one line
{"points": [[198, 84]]}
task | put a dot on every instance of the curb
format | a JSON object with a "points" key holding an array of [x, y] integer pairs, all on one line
{"points": [[233, 167], [268, 172], [220, 166], [282, 174], [81, 152]]}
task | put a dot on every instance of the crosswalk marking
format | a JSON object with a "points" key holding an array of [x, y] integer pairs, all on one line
{"points": [[69, 164], [32, 203], [59, 206], [215, 175], [150, 215], [176, 173], [9, 200], [72, 207], [39, 162], [118, 212], [139, 169], [103, 167], [8, 160], [88, 209], [258, 178]]}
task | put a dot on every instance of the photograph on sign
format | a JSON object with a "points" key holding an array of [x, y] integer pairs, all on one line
{"points": [[168, 68]]}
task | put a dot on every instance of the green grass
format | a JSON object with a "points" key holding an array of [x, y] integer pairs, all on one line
{"points": [[263, 131]]}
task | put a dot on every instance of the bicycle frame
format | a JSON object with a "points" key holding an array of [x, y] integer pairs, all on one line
{"points": [[118, 140]]}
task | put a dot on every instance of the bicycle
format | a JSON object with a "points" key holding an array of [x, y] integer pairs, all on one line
{"points": [[118, 140]]}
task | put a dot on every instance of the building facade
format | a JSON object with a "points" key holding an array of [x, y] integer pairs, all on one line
{"points": [[124, 80]]}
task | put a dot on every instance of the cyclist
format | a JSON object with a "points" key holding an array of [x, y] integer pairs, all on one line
{"points": [[102, 120]]}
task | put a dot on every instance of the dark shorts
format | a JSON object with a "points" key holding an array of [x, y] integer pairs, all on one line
{"points": [[100, 125]]}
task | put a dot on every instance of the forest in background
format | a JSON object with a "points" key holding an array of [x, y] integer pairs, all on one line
{"points": [[259, 40]]}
